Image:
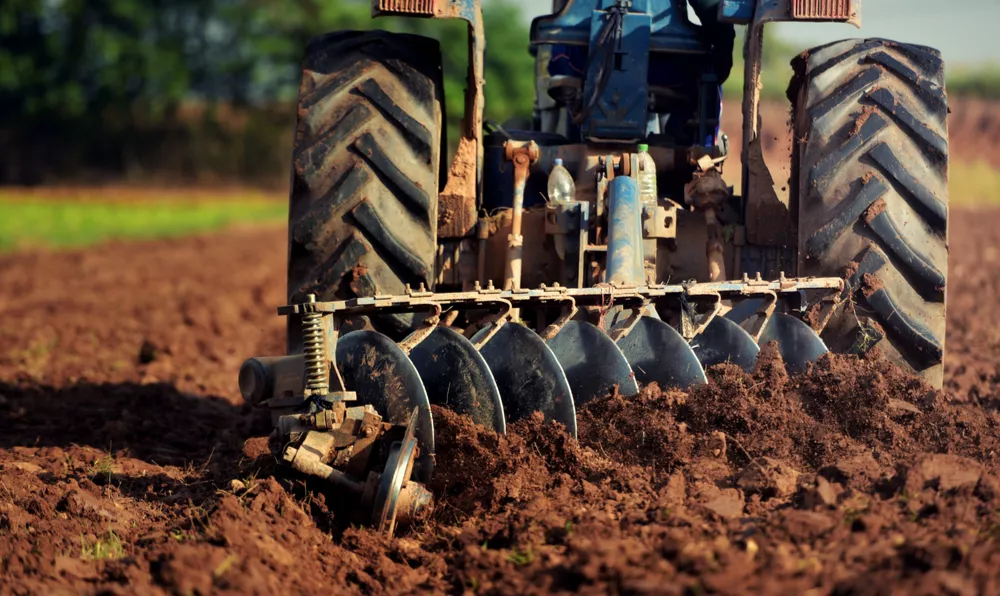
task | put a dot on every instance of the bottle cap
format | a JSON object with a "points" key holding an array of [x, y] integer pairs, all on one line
{"points": [[557, 161], [643, 148]]}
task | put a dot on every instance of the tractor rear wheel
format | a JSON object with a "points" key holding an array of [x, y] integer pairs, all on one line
{"points": [[871, 163], [365, 171]]}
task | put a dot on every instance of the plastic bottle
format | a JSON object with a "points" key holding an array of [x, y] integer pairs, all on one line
{"points": [[647, 177], [562, 189]]}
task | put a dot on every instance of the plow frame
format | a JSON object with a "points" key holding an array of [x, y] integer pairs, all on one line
{"points": [[605, 296]]}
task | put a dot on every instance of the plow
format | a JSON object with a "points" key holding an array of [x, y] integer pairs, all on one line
{"points": [[598, 249]]}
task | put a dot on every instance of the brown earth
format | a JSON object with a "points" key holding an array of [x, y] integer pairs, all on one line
{"points": [[126, 465]]}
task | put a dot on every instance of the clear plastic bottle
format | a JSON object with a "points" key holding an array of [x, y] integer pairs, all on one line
{"points": [[562, 189], [647, 177]]}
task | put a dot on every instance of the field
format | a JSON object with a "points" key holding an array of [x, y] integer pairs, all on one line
{"points": [[130, 465], [127, 467], [60, 218], [70, 217]]}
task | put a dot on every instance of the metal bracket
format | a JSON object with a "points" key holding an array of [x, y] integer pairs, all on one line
{"points": [[523, 158], [660, 222]]}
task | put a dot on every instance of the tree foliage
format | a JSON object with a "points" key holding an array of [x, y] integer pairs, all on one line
{"points": [[115, 85]]}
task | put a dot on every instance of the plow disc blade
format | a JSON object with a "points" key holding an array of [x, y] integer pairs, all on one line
{"points": [[725, 341], [658, 354], [797, 342], [593, 363], [384, 377], [457, 377], [529, 376]]}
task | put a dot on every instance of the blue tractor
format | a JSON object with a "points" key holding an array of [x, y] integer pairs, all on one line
{"points": [[473, 285]]}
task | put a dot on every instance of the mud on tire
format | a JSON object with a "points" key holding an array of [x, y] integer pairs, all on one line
{"points": [[871, 163], [366, 163]]}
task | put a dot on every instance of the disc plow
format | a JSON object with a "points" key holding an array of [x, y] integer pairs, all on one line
{"points": [[355, 407]]}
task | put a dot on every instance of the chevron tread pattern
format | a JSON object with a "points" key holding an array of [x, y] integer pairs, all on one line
{"points": [[872, 168], [366, 165]]}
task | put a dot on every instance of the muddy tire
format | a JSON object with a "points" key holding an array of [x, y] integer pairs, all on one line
{"points": [[366, 164], [871, 161]]}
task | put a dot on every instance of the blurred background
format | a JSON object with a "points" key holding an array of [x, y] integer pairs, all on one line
{"points": [[146, 118]]}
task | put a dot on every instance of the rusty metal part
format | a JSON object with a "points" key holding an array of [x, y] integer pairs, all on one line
{"points": [[708, 193], [568, 224], [763, 314], [769, 11], [398, 498], [308, 457], [568, 312], [603, 296], [660, 222], [412, 7], [822, 10], [523, 158], [330, 333], [317, 370], [457, 262], [483, 235], [768, 220], [457, 203], [335, 442], [714, 247]]}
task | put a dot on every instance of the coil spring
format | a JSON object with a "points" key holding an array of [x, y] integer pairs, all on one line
{"points": [[314, 349]]}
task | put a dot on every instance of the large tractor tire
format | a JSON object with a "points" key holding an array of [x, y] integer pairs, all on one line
{"points": [[366, 164], [871, 161]]}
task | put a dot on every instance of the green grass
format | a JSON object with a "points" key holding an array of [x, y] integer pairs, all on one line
{"points": [[32, 222], [974, 184], [108, 546], [979, 81]]}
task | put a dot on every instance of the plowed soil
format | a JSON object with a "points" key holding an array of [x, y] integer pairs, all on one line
{"points": [[128, 464]]}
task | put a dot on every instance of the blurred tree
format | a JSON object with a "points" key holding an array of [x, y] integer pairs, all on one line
{"points": [[103, 85], [281, 30]]}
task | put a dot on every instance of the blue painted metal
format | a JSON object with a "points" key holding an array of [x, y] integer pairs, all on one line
{"points": [[737, 12], [622, 109], [670, 30], [466, 9], [625, 233]]}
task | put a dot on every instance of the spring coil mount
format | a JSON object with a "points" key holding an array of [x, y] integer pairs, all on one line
{"points": [[314, 350]]}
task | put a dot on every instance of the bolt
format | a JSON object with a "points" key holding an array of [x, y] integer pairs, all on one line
{"points": [[311, 298], [478, 286], [489, 285], [423, 288], [368, 432]]}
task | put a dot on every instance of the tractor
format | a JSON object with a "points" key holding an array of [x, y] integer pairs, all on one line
{"points": [[415, 280]]}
